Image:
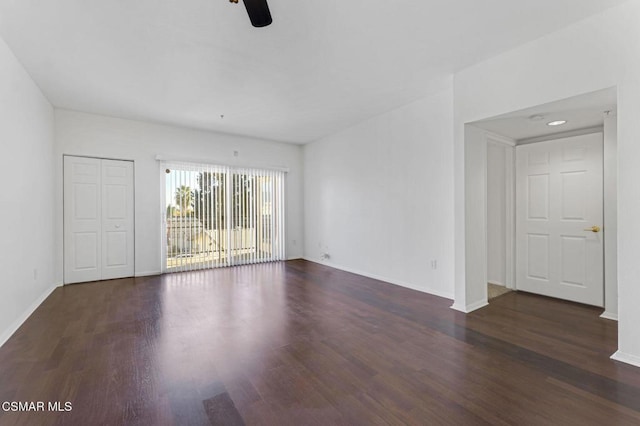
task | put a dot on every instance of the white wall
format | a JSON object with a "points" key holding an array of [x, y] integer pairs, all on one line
{"points": [[475, 249], [496, 214], [26, 167], [600, 52], [106, 137], [610, 159], [379, 199], [489, 171]]}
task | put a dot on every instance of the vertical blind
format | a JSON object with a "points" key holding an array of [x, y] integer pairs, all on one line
{"points": [[221, 216]]}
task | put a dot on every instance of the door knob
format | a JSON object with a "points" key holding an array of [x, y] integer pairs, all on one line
{"points": [[594, 228]]}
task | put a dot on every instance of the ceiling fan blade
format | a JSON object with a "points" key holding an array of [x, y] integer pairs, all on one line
{"points": [[258, 11]]}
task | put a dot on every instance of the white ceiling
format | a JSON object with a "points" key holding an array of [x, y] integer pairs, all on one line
{"points": [[580, 112], [323, 65]]}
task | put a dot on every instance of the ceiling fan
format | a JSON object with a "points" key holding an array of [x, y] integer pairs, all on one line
{"points": [[258, 11]]}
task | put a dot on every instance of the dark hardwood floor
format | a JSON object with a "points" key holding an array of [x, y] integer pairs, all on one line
{"points": [[297, 343]]}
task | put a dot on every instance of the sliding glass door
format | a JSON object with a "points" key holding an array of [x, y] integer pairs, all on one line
{"points": [[218, 216]]}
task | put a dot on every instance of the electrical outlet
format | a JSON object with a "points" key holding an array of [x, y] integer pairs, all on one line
{"points": [[325, 256], [434, 264]]}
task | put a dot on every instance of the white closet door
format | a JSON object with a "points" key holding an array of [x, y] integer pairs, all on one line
{"points": [[82, 219], [559, 219], [98, 219], [117, 219]]}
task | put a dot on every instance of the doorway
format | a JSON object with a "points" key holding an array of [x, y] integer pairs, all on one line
{"points": [[587, 114], [500, 217], [98, 219]]}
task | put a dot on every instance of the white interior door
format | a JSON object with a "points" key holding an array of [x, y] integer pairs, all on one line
{"points": [[98, 219], [117, 219], [558, 201], [82, 219]]}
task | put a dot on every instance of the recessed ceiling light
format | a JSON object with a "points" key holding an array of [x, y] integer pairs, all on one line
{"points": [[557, 123]]}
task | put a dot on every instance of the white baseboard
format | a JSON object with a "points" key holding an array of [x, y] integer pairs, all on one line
{"points": [[609, 315], [147, 274], [459, 308], [626, 358], [497, 283], [385, 279], [469, 308], [26, 314]]}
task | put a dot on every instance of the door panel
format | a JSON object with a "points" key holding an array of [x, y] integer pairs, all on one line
{"points": [[117, 219], [86, 244], [574, 195], [559, 195], [82, 219], [538, 260], [115, 202], [538, 197], [86, 201], [116, 249]]}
